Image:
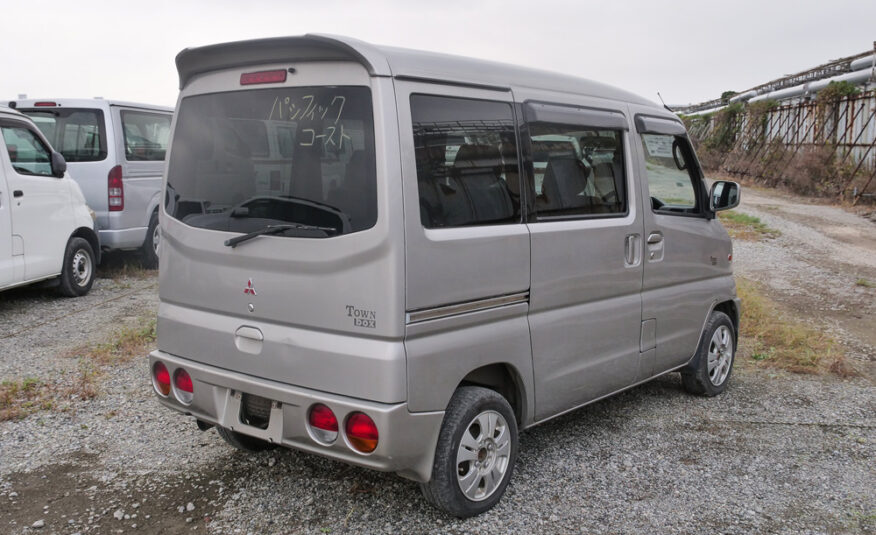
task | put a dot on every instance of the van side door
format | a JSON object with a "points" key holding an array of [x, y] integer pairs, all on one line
{"points": [[586, 234], [41, 206], [686, 261], [7, 272], [466, 245]]}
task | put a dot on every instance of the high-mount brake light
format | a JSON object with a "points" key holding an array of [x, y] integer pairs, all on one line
{"points": [[115, 190], [361, 432], [183, 388], [323, 423], [263, 77], [45, 104], [161, 379]]}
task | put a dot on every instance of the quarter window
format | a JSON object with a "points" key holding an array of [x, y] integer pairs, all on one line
{"points": [[578, 171], [466, 153], [29, 156], [671, 180], [146, 135]]}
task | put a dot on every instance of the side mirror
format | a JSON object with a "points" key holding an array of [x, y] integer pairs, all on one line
{"points": [[59, 165], [724, 195]]}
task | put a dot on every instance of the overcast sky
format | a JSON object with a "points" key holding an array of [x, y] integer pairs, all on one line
{"points": [[690, 51]]}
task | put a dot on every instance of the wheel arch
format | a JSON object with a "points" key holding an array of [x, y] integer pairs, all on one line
{"points": [[91, 237], [729, 307], [504, 379]]}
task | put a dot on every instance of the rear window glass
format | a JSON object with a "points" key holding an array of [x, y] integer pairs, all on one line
{"points": [[78, 134], [303, 157], [146, 135]]}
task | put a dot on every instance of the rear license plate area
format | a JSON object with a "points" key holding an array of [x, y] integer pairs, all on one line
{"points": [[255, 411]]}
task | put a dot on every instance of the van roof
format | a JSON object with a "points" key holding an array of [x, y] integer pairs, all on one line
{"points": [[9, 111], [100, 103], [388, 61]]}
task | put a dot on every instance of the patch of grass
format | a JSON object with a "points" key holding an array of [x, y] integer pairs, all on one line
{"points": [[865, 283], [22, 397], [19, 398], [123, 265], [746, 227], [125, 344], [776, 340]]}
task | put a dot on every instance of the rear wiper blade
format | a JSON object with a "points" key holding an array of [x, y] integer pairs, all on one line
{"points": [[274, 229]]}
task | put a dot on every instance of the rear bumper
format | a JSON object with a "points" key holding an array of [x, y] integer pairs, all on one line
{"points": [[406, 444], [129, 238]]}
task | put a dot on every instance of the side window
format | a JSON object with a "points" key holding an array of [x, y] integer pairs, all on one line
{"points": [[28, 154], [146, 135], [578, 171], [466, 152], [670, 178]]}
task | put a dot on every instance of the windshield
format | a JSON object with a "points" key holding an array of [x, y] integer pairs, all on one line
{"points": [[78, 134], [243, 160]]}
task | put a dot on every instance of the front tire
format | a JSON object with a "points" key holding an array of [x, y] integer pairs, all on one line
{"points": [[475, 456], [709, 372], [77, 272]]}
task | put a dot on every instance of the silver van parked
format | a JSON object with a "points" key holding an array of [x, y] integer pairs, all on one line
{"points": [[399, 259], [115, 151]]}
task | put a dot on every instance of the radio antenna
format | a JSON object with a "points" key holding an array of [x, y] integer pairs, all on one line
{"points": [[664, 104]]}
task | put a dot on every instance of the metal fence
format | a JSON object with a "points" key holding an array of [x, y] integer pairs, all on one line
{"points": [[772, 144]]}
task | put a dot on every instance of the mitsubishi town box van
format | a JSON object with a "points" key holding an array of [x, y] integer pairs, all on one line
{"points": [[115, 151], [46, 229], [401, 259]]}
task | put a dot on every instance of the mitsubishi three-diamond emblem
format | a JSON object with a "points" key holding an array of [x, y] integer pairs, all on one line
{"points": [[249, 290]]}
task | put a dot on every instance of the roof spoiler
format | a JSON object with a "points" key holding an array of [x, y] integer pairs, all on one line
{"points": [[311, 47]]}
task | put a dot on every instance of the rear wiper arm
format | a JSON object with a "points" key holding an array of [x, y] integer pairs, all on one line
{"points": [[274, 229]]}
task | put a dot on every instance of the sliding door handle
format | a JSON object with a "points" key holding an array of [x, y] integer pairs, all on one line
{"points": [[17, 193], [655, 238]]}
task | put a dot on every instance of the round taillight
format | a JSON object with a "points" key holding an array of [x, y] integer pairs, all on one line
{"points": [[323, 423], [161, 379], [361, 432], [182, 386]]}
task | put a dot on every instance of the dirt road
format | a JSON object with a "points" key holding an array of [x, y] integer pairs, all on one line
{"points": [[776, 453], [823, 265]]}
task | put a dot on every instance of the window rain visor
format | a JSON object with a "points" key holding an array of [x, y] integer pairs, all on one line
{"points": [[304, 156]]}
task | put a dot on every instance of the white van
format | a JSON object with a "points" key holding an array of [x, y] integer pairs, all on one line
{"points": [[46, 229], [115, 151], [447, 250]]}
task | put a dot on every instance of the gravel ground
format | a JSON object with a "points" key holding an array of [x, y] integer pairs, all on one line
{"points": [[776, 453]]}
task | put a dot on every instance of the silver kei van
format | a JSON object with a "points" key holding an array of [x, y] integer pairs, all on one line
{"points": [[115, 151], [359, 262]]}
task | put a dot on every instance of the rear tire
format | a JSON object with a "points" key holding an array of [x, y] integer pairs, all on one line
{"points": [[709, 372], [475, 456], [244, 442], [77, 272], [149, 250]]}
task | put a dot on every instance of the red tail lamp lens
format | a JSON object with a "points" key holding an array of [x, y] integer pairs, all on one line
{"points": [[323, 423], [184, 390], [115, 190], [361, 432], [161, 379], [263, 77]]}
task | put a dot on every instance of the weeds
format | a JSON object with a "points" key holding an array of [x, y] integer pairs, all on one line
{"points": [[125, 344], [20, 398], [865, 283], [777, 341], [746, 227], [23, 397]]}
